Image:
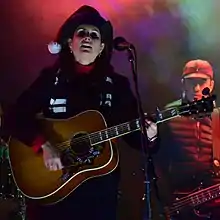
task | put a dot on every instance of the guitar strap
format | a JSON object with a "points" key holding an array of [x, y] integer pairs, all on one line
{"points": [[106, 95], [216, 140]]}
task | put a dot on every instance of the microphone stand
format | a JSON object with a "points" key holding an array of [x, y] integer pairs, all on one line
{"points": [[149, 171]]}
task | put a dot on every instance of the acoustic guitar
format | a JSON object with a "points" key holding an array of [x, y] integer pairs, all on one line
{"points": [[84, 142]]}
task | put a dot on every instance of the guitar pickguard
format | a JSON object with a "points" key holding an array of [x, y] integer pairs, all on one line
{"points": [[78, 154]]}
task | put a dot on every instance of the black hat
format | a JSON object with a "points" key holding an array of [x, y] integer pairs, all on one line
{"points": [[85, 15]]}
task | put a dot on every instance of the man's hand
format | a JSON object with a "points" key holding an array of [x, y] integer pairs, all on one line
{"points": [[151, 130], [51, 157]]}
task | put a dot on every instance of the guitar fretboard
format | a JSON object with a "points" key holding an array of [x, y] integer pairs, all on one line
{"points": [[204, 195], [114, 132], [129, 127]]}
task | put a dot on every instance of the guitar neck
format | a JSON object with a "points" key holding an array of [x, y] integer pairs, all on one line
{"points": [[114, 132], [129, 127], [204, 195]]}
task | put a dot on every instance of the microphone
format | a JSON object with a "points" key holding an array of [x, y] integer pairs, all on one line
{"points": [[121, 44], [206, 91]]}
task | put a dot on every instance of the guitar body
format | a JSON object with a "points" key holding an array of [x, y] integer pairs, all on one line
{"points": [[47, 187]]}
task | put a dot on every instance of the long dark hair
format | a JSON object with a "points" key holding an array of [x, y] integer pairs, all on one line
{"points": [[66, 60], [84, 15]]}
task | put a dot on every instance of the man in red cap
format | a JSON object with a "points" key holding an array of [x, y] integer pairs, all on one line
{"points": [[81, 79], [197, 75], [185, 155]]}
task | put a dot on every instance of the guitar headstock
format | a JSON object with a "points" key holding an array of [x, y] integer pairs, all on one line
{"points": [[198, 108]]}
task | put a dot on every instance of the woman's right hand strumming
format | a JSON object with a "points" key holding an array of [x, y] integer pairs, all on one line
{"points": [[51, 157]]}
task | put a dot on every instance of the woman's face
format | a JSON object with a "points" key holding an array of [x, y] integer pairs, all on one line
{"points": [[86, 44]]}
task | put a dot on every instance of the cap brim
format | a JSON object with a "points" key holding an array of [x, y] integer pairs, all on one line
{"points": [[196, 75]]}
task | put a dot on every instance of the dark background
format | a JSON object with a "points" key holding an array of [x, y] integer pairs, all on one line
{"points": [[166, 33]]}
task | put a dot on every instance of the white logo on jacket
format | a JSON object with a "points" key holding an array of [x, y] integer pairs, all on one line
{"points": [[57, 109]]}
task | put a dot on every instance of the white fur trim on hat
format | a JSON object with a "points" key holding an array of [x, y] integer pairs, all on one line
{"points": [[54, 47]]}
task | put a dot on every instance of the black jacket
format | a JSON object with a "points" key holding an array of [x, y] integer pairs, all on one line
{"points": [[81, 92]]}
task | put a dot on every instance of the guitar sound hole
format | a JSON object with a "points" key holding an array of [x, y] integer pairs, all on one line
{"points": [[80, 152], [80, 144]]}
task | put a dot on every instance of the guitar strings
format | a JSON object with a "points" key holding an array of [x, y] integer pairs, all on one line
{"points": [[182, 202], [188, 199], [93, 136], [65, 144]]}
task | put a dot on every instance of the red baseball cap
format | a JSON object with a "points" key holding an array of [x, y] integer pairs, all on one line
{"points": [[198, 69]]}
